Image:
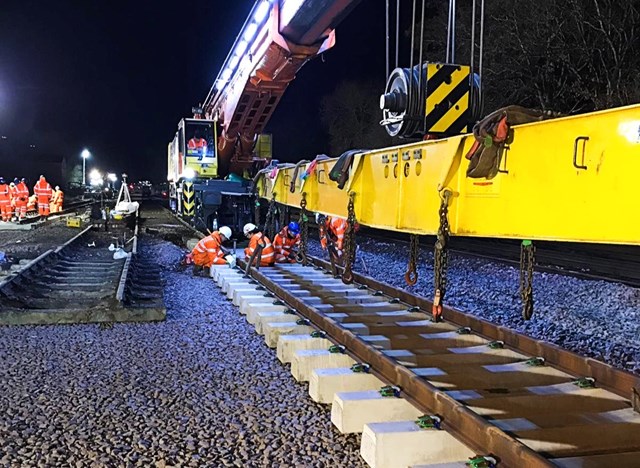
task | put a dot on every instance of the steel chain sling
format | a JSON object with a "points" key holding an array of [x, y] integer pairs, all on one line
{"points": [[282, 220], [304, 231], [527, 261], [441, 256], [350, 241], [270, 221], [256, 212], [411, 276]]}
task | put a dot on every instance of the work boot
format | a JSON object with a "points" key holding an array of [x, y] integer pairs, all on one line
{"points": [[197, 270]]}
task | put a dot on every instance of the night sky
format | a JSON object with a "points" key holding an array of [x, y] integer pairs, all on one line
{"points": [[116, 77]]}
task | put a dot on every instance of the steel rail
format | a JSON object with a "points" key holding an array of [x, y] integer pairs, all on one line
{"points": [[464, 424], [469, 427], [608, 377]]}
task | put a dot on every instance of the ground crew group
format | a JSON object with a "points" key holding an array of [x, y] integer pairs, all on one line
{"points": [[209, 251], [15, 200]]}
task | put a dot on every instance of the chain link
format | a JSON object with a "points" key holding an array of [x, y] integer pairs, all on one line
{"points": [[350, 241], [527, 262], [441, 256], [270, 220], [411, 276], [304, 230], [282, 220], [256, 212]]}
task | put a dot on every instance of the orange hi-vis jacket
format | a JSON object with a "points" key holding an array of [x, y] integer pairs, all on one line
{"points": [[284, 244], [196, 143], [58, 197], [5, 196], [57, 200], [22, 192], [208, 251], [335, 228], [13, 194], [43, 190], [267, 257]]}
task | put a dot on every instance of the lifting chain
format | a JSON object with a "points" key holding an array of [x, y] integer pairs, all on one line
{"points": [[411, 276], [270, 221], [304, 231], [441, 256], [282, 220], [256, 212], [527, 261], [350, 241]]}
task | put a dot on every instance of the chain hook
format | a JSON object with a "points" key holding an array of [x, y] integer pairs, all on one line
{"points": [[441, 255], [301, 257], [350, 241], [411, 276]]}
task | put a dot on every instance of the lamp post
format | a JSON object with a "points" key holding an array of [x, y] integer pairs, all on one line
{"points": [[85, 154]]}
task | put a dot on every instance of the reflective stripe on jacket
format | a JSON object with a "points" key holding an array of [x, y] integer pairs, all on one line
{"points": [[268, 253]]}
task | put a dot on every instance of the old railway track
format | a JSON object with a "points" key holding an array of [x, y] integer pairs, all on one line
{"points": [[502, 394], [80, 281]]}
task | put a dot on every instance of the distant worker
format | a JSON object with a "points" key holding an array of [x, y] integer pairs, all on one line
{"points": [[13, 195], [57, 199], [5, 201], [32, 203], [198, 145], [332, 231], [285, 242], [209, 250], [22, 198], [43, 191], [257, 240]]}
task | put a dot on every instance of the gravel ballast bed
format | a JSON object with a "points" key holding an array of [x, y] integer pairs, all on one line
{"points": [[200, 389], [593, 318]]}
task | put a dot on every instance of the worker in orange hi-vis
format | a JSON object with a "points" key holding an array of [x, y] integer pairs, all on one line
{"points": [[198, 146], [43, 191], [285, 241], [57, 199], [332, 229], [258, 240], [13, 195], [32, 204], [22, 199], [5, 201], [209, 250]]}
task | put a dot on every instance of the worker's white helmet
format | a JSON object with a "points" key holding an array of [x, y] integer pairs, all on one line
{"points": [[320, 218], [57, 187], [248, 228], [225, 231]]}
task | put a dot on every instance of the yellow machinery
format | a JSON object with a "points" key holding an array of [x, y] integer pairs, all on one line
{"points": [[74, 221], [567, 179]]}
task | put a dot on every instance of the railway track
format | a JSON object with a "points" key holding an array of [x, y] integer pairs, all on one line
{"points": [[71, 209], [80, 281], [484, 390]]}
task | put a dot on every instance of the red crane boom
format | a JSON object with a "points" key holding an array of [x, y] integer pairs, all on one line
{"points": [[277, 39]]}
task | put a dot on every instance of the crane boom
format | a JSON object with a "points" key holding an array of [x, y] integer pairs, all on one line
{"points": [[277, 39]]}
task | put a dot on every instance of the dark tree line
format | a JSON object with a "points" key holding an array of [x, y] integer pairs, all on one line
{"points": [[568, 56]]}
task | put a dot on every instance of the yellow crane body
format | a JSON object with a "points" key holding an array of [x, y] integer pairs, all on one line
{"points": [[568, 179]]}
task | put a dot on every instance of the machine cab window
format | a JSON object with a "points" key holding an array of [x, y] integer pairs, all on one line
{"points": [[198, 140]]}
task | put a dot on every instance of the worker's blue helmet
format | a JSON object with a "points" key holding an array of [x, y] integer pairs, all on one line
{"points": [[16, 181], [294, 228], [1, 180]]}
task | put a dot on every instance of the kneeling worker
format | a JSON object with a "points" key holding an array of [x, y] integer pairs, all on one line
{"points": [[285, 241], [209, 250], [258, 240]]}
